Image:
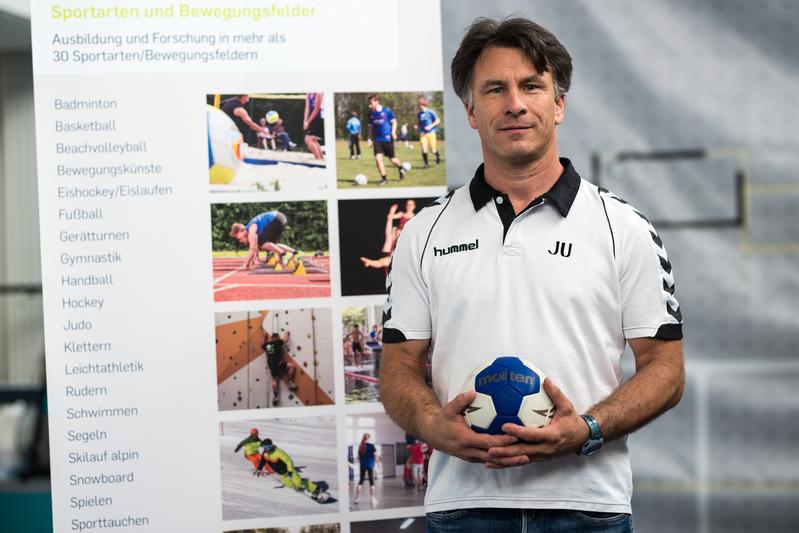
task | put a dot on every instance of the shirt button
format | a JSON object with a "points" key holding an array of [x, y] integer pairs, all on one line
{"points": [[499, 200]]}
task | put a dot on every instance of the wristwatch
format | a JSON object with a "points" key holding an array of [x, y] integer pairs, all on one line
{"points": [[595, 439]]}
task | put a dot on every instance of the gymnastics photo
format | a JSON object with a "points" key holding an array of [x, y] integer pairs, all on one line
{"points": [[274, 358], [278, 467], [266, 142], [390, 139], [387, 466], [362, 340], [264, 251], [368, 231]]}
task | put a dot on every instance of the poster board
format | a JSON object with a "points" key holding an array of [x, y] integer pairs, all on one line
{"points": [[159, 321]]}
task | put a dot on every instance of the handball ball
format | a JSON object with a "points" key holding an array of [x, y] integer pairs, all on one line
{"points": [[406, 166], [360, 179], [509, 389], [272, 117]]}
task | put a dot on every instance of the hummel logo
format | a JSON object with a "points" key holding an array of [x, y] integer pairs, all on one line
{"points": [[455, 248], [560, 247]]}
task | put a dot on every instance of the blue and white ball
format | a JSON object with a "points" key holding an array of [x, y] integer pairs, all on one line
{"points": [[509, 389]]}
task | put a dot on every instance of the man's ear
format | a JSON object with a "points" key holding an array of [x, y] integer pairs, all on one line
{"points": [[469, 107], [560, 111]]}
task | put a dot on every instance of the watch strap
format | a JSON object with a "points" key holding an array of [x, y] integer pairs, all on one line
{"points": [[595, 437]]}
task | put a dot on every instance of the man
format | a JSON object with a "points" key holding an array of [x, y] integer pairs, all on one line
{"points": [[563, 274], [280, 462], [428, 126], [252, 449], [355, 337], [262, 233], [234, 108], [275, 350], [280, 133], [383, 133], [354, 129]]}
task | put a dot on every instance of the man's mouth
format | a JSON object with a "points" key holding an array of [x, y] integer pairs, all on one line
{"points": [[515, 127]]}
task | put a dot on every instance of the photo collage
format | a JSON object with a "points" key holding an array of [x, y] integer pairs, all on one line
{"points": [[309, 193]]}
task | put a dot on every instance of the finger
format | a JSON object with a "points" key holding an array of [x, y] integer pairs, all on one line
{"points": [[516, 460], [494, 466], [514, 450], [562, 403], [459, 403], [486, 442], [529, 434]]}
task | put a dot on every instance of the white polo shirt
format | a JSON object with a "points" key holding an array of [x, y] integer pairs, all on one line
{"points": [[563, 284]]}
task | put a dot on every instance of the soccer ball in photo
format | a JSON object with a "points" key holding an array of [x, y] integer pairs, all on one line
{"points": [[360, 179], [272, 117], [509, 389], [406, 166], [225, 146]]}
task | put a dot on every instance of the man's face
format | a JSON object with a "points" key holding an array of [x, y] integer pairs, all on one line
{"points": [[513, 106], [244, 98], [374, 104], [241, 236]]}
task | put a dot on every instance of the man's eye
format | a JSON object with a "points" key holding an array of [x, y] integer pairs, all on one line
{"points": [[531, 87], [496, 90]]}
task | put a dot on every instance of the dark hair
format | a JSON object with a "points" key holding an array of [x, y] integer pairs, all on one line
{"points": [[535, 42]]}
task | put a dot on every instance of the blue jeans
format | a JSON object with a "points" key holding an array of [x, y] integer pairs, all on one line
{"points": [[527, 521]]}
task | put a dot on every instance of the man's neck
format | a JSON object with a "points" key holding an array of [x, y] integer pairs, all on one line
{"points": [[526, 182]]}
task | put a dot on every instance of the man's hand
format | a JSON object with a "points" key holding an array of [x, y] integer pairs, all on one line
{"points": [[564, 435], [450, 433]]}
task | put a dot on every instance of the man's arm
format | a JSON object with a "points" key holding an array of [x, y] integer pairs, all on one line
{"points": [[414, 406], [245, 117], [656, 387], [436, 122], [252, 239], [393, 129]]}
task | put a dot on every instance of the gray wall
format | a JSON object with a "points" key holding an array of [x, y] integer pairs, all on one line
{"points": [[722, 76], [21, 342]]}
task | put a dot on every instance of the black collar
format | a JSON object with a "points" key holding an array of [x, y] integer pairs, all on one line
{"points": [[562, 193]]}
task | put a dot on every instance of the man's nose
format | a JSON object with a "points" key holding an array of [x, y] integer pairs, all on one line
{"points": [[515, 104]]}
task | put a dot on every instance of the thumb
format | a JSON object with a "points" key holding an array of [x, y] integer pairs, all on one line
{"points": [[561, 402], [459, 403]]}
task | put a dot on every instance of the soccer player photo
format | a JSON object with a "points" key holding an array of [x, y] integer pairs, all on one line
{"points": [[390, 139]]}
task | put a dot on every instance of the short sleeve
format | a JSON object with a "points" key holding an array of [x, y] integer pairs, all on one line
{"points": [[406, 313], [646, 281]]}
